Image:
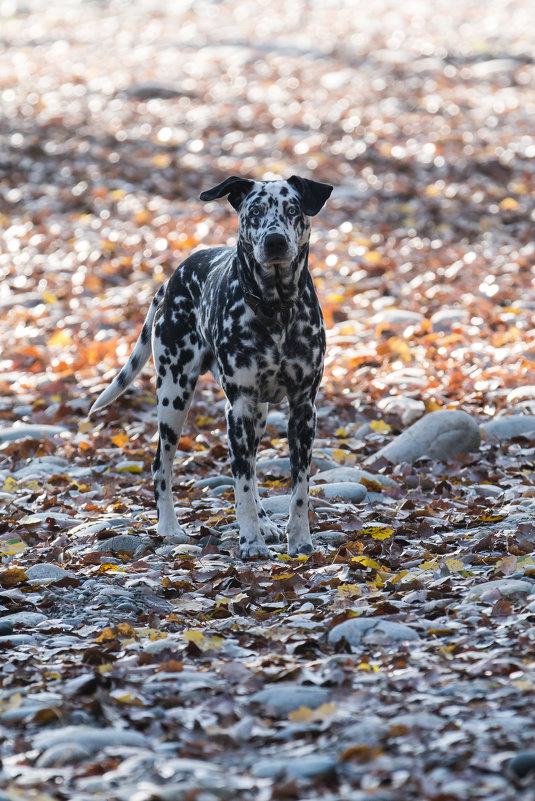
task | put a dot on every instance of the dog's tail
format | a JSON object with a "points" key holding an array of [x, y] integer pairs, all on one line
{"points": [[139, 356]]}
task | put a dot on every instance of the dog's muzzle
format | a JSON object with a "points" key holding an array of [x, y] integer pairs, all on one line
{"points": [[275, 247]]}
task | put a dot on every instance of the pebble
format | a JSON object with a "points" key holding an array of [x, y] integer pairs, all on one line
{"points": [[215, 481], [128, 543], [512, 425], [527, 392], [31, 431], [351, 474], [345, 490], [277, 504], [409, 409], [46, 572], [444, 319], [370, 630], [369, 730], [499, 588], [90, 738], [303, 767], [396, 318], [284, 698], [18, 639], [23, 618], [437, 435], [487, 490]]}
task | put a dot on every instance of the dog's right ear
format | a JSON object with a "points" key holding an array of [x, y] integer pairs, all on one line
{"points": [[236, 188]]}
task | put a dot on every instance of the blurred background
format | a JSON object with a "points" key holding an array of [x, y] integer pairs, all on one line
{"points": [[115, 115]]}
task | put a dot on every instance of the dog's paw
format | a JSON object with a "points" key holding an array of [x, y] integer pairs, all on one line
{"points": [[270, 530], [253, 549], [174, 534], [303, 546]]}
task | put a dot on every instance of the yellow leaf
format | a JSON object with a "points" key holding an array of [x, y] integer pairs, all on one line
{"points": [[367, 667], [302, 558], [162, 160], [60, 339], [10, 485], [382, 533], [509, 204], [306, 715], [283, 576], [398, 577], [343, 457], [431, 405], [214, 643], [49, 298], [380, 427], [349, 590], [488, 517], [10, 547], [125, 629], [367, 562], [12, 576], [120, 439], [201, 421], [128, 699], [193, 635], [107, 567], [454, 565], [131, 467], [284, 557], [432, 564], [32, 485], [106, 634], [372, 257], [377, 532], [340, 433]]}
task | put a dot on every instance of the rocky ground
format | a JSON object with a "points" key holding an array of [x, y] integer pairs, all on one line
{"points": [[396, 662]]}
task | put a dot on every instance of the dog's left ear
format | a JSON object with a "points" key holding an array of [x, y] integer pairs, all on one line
{"points": [[236, 188], [313, 194]]}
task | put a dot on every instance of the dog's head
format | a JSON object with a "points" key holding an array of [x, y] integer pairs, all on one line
{"points": [[274, 227]]}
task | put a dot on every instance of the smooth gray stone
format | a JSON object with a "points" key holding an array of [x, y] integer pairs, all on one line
{"points": [[301, 768], [369, 730], [47, 572], [445, 319], [347, 491], [88, 737], [215, 481], [121, 542], [437, 435], [30, 430], [24, 618], [350, 474], [18, 639], [371, 630], [396, 318], [499, 588], [512, 425], [284, 698], [62, 754], [276, 504]]}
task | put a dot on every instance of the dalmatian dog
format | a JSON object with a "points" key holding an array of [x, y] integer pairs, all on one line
{"points": [[250, 314]]}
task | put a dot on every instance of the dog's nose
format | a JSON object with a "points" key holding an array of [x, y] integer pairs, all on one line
{"points": [[275, 245]]}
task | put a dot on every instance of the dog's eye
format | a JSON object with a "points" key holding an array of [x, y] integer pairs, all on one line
{"points": [[292, 211], [255, 212]]}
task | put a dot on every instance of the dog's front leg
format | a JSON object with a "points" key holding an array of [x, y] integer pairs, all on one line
{"points": [[301, 430], [241, 425]]}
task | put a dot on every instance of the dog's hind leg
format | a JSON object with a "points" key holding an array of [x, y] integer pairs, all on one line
{"points": [[177, 377]]}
